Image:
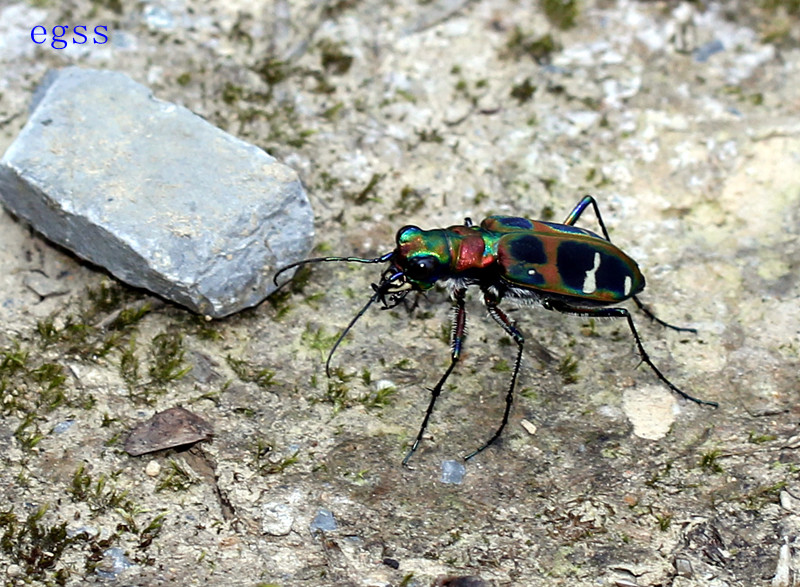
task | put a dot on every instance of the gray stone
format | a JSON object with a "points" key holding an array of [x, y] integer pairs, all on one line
{"points": [[276, 519], [153, 193], [453, 472], [324, 521], [113, 563]]}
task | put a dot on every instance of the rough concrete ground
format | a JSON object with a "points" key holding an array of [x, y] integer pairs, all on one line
{"points": [[681, 118]]}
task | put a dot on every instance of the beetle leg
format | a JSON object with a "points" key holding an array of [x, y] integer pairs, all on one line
{"points": [[565, 308], [647, 312], [500, 317], [457, 343], [572, 218]]}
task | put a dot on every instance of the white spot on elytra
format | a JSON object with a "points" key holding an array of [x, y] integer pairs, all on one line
{"points": [[590, 281], [531, 271], [627, 284]]}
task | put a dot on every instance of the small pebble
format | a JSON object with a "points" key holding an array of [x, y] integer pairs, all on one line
{"points": [[683, 567], [114, 562], [529, 426], [152, 469], [324, 521], [276, 519], [453, 472], [14, 570], [62, 427], [783, 571]]}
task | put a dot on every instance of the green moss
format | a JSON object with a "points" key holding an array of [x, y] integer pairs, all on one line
{"points": [[279, 301], [167, 358], [523, 92], [404, 363], [13, 361], [445, 332], [114, 6], [315, 338], [204, 327], [264, 465], [231, 94], [250, 373], [129, 365], [549, 183], [36, 547], [99, 495], [175, 478], [501, 366], [792, 7], [763, 495], [145, 533], [334, 112], [756, 438], [480, 198], [521, 44], [367, 194], [51, 379], [664, 521], [101, 324], [130, 316], [284, 125], [333, 59], [710, 461], [28, 433], [366, 377], [410, 201], [29, 387], [337, 392], [562, 14], [105, 298], [333, 10], [429, 136], [273, 71], [282, 121], [380, 398], [568, 369], [327, 181]]}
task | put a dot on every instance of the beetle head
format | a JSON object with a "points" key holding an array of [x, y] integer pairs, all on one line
{"points": [[423, 256]]}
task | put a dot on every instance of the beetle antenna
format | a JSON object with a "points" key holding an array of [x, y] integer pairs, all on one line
{"points": [[381, 259], [380, 292]]}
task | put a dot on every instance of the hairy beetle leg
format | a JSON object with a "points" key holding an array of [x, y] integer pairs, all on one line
{"points": [[564, 308], [500, 317], [457, 338]]}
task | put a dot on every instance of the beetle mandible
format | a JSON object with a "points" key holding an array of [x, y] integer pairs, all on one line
{"points": [[560, 266]]}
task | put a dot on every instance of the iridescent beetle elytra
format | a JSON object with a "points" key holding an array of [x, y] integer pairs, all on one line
{"points": [[560, 266]]}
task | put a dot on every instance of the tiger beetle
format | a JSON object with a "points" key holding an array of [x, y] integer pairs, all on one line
{"points": [[560, 266]]}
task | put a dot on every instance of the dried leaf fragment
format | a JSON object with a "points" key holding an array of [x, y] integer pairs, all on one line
{"points": [[173, 427]]}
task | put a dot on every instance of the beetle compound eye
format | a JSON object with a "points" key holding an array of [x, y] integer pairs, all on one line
{"points": [[421, 268]]}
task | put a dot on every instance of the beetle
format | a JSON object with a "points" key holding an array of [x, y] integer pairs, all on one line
{"points": [[561, 267]]}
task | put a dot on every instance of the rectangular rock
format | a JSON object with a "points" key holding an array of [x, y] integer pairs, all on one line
{"points": [[153, 193]]}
